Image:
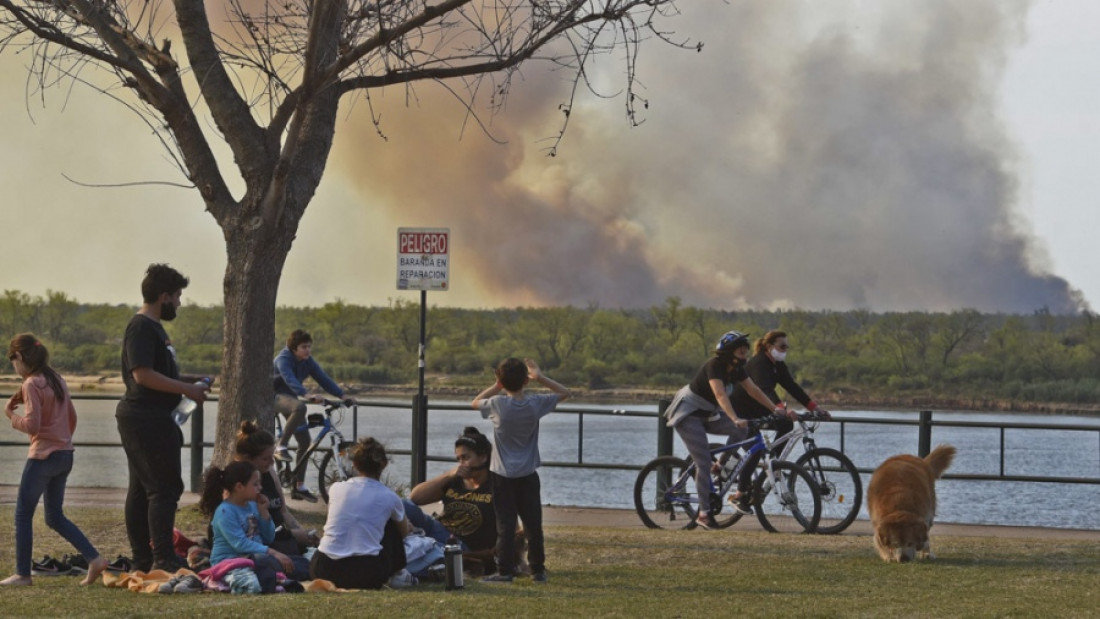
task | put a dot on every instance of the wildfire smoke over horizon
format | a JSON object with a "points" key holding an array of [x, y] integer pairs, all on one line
{"points": [[792, 163]]}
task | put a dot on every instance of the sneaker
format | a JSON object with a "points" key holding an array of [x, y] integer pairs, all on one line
{"points": [[77, 563], [49, 566], [303, 495], [282, 453], [402, 580], [498, 579], [121, 564], [171, 565], [540, 577], [188, 584], [741, 504], [170, 586], [292, 586], [706, 522]]}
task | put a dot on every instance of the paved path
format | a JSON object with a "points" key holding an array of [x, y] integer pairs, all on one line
{"points": [[591, 516]]}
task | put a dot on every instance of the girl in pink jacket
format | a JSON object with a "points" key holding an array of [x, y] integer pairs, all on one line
{"points": [[49, 418]]}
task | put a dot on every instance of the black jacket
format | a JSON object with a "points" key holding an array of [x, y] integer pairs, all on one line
{"points": [[766, 374]]}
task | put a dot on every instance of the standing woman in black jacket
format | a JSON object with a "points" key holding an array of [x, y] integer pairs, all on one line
{"points": [[768, 368]]}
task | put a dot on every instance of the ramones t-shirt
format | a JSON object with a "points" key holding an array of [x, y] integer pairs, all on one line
{"points": [[469, 514]]}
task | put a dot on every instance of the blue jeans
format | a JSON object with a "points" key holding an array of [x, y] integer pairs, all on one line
{"points": [[432, 527], [45, 479]]}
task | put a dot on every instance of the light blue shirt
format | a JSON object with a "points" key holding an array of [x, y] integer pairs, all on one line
{"points": [[516, 431], [239, 532]]}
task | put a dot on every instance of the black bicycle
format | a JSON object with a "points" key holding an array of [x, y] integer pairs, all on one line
{"points": [[335, 465]]}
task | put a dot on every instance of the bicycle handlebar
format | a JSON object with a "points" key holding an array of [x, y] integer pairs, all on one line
{"points": [[765, 423], [330, 403]]}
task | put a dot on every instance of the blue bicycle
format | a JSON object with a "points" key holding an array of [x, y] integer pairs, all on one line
{"points": [[783, 495], [335, 465]]}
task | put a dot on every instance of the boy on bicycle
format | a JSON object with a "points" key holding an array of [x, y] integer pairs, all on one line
{"points": [[293, 365], [513, 468]]}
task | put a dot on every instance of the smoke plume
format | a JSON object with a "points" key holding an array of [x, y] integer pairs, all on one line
{"points": [[799, 160]]}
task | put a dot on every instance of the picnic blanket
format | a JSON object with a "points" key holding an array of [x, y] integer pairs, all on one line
{"points": [[150, 582]]}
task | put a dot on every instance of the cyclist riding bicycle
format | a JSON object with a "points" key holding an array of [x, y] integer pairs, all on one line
{"points": [[768, 368], [703, 406], [293, 365]]}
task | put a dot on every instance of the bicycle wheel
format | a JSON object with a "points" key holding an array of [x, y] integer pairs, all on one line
{"points": [[286, 475], [335, 466], [662, 507], [796, 509], [840, 487]]}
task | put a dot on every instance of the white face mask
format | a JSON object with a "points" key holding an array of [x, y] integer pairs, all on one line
{"points": [[778, 355]]}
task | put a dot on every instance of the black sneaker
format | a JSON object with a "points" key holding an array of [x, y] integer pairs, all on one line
{"points": [[540, 577], [170, 565], [121, 564], [77, 563], [292, 586], [49, 566], [741, 504], [303, 495]]}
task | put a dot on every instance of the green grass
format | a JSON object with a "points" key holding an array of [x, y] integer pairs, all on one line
{"points": [[640, 573]]}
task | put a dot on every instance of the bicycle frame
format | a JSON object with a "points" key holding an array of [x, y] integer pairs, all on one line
{"points": [[327, 428], [754, 444]]}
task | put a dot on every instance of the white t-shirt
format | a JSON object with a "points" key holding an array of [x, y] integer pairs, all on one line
{"points": [[357, 513]]}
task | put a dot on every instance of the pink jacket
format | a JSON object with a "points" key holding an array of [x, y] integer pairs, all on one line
{"points": [[50, 422]]}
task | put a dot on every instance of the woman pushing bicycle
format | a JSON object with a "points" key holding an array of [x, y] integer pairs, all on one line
{"points": [[768, 368], [703, 406]]}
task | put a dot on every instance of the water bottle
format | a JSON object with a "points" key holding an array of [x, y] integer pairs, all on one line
{"points": [[452, 562], [187, 406]]}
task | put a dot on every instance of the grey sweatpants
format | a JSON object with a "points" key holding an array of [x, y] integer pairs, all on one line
{"points": [[693, 430]]}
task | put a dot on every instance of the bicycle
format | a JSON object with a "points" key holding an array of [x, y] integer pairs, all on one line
{"points": [[837, 478], [335, 465], [783, 495]]}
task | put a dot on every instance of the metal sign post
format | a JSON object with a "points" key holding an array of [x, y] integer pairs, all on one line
{"points": [[423, 263]]}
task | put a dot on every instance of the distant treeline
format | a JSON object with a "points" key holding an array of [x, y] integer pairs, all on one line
{"points": [[962, 355]]}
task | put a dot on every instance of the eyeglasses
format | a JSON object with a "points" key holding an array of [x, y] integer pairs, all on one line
{"points": [[782, 347]]}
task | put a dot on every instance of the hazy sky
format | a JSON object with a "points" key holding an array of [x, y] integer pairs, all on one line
{"points": [[926, 155]]}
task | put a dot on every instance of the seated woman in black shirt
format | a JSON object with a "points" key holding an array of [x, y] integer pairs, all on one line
{"points": [[467, 498]]}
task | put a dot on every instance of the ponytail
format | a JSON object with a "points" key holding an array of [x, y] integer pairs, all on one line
{"points": [[216, 481]]}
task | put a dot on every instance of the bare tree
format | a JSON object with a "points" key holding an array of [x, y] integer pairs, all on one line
{"points": [[271, 78]]}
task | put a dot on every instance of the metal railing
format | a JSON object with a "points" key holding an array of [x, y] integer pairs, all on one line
{"points": [[664, 439]]}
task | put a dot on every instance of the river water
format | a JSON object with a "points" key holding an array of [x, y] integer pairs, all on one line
{"points": [[633, 440]]}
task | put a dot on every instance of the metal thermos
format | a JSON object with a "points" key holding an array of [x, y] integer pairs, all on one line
{"points": [[452, 562]]}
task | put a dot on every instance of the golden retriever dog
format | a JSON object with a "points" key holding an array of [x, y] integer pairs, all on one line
{"points": [[901, 499]]}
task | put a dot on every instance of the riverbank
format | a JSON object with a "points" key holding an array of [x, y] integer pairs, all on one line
{"points": [[839, 400]]}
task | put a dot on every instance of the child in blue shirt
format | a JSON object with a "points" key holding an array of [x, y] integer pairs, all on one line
{"points": [[242, 526]]}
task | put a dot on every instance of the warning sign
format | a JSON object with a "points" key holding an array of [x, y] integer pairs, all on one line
{"points": [[423, 258]]}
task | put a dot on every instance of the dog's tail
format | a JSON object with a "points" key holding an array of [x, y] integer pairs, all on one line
{"points": [[940, 459]]}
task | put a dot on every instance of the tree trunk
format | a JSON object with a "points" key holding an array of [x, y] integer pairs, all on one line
{"points": [[255, 263]]}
